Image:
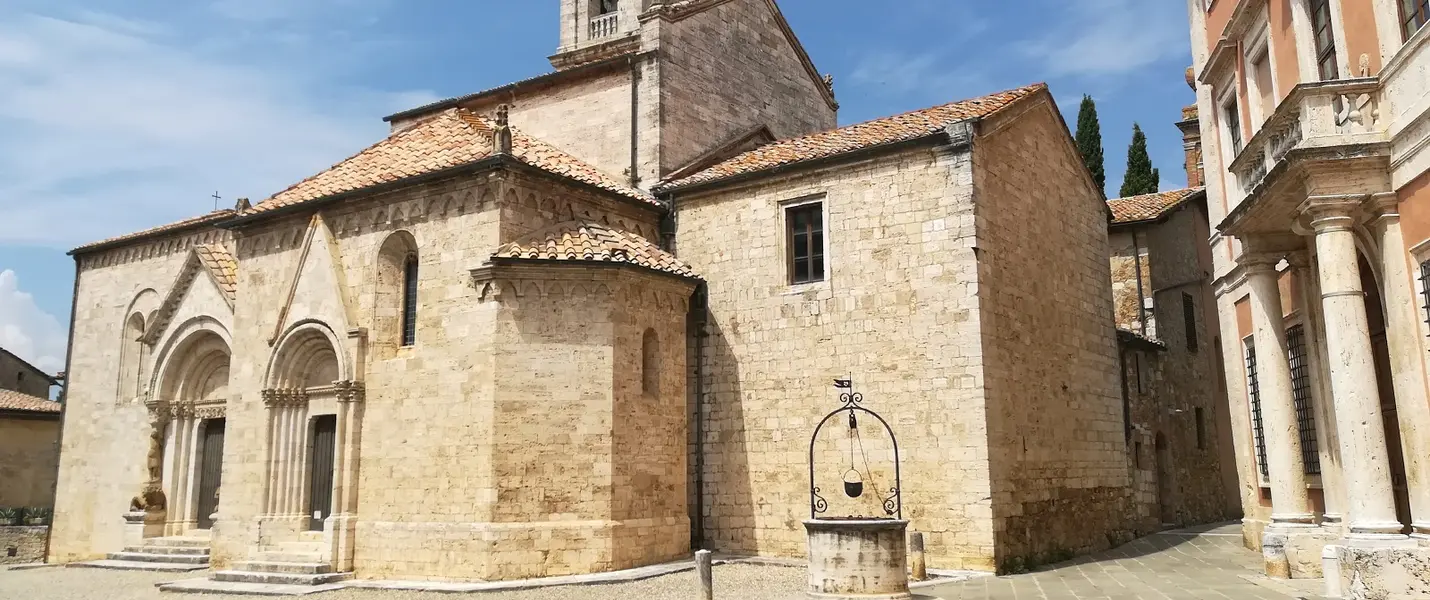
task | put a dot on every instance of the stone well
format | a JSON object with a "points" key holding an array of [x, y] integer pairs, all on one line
{"points": [[865, 559]]}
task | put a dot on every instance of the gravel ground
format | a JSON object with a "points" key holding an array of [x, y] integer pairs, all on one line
{"points": [[732, 582]]}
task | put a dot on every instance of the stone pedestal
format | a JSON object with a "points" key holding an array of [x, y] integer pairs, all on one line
{"points": [[858, 559], [141, 525], [1368, 572]]}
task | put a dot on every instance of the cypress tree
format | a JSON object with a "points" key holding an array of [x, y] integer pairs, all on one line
{"points": [[1089, 140], [1141, 178]]}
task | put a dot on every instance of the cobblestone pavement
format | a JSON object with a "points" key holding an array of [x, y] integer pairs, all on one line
{"points": [[1204, 564]]}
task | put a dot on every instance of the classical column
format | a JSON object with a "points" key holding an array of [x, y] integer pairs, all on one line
{"points": [[270, 440], [1332, 489], [285, 456], [1291, 505], [1364, 458], [1402, 330]]}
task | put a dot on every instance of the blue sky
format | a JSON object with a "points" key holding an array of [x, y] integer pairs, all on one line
{"points": [[116, 116]]}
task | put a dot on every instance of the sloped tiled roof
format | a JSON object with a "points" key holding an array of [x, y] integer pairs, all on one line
{"points": [[223, 266], [13, 400], [587, 241], [452, 138], [201, 220], [879, 132], [1148, 207]]}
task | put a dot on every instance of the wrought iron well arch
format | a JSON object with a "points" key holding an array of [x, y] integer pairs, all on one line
{"points": [[893, 504]]}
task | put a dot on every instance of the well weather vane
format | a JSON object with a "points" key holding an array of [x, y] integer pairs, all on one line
{"points": [[853, 478]]}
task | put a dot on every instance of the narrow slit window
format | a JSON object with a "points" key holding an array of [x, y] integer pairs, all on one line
{"points": [[409, 301], [806, 243], [1189, 321], [1201, 428]]}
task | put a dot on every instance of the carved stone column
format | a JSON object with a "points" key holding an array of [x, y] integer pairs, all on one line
{"points": [[1402, 330], [341, 530], [1366, 462]]}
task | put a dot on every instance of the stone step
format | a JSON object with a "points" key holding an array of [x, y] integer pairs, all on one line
{"points": [[209, 586], [170, 550], [297, 547], [288, 557], [178, 559], [184, 541], [279, 578], [128, 565], [259, 566], [311, 536]]}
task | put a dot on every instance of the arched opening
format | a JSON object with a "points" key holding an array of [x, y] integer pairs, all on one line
{"points": [[650, 363], [396, 302], [194, 383], [130, 351], [302, 385], [1380, 349]]}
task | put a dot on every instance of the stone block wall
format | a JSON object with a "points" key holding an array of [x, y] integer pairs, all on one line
{"points": [[22, 545], [898, 312], [29, 460], [727, 69], [1055, 433], [1128, 258], [18, 376]]}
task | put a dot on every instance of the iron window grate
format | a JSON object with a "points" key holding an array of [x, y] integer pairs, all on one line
{"points": [[1425, 288], [1301, 393], [1253, 391], [409, 302]]}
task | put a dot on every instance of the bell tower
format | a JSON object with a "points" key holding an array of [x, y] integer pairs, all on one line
{"points": [[594, 29]]}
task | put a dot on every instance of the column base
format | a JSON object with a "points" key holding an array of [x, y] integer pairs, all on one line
{"points": [[1377, 528], [1294, 551], [1383, 572]]}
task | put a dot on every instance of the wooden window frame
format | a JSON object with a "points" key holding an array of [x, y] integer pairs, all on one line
{"points": [[1418, 15], [813, 250], [410, 288], [1329, 51]]}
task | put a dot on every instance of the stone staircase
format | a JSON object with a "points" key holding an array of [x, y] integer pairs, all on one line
{"points": [[168, 554], [287, 563]]}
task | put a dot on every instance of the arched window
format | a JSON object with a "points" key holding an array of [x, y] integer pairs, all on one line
{"points": [[130, 357], [650, 363], [409, 300], [395, 319]]}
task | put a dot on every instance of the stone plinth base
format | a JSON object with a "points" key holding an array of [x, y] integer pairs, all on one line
{"points": [[865, 559], [1293, 552], [1383, 573], [141, 525]]}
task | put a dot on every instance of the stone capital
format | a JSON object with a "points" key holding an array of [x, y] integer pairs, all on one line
{"points": [[1329, 213], [1260, 263], [1299, 261]]}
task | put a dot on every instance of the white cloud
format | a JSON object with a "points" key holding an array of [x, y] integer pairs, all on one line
{"points": [[27, 331], [1111, 37], [895, 74], [113, 125]]}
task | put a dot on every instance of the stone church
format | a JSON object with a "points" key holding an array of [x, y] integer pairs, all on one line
{"points": [[586, 321]]}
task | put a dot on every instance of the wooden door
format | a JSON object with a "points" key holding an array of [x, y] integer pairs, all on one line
{"points": [[320, 472], [210, 471]]}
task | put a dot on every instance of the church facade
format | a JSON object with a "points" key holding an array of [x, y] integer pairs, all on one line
{"points": [[587, 321]]}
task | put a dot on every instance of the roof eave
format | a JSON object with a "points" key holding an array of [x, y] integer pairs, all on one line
{"points": [[500, 261], [124, 241]]}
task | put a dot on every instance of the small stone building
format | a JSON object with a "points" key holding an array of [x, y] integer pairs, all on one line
{"points": [[586, 321]]}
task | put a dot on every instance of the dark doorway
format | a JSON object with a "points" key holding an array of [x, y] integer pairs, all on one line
{"points": [[1164, 483], [320, 472], [210, 471]]}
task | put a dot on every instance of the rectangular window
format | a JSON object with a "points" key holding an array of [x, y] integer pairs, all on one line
{"points": [[1413, 15], [1201, 428], [1189, 321], [1325, 38], [1266, 96], [1425, 288], [806, 242], [1253, 392], [1232, 115], [1301, 393], [409, 302]]}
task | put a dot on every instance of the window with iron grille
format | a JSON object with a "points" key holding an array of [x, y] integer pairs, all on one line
{"points": [[1301, 393], [1425, 288], [1253, 392], [1413, 15], [1325, 39], [409, 301], [1189, 320], [806, 242]]}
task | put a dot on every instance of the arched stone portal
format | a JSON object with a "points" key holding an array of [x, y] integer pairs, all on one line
{"points": [[313, 409], [187, 407]]}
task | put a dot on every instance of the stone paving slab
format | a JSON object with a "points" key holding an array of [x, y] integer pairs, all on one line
{"points": [[626, 576], [237, 588]]}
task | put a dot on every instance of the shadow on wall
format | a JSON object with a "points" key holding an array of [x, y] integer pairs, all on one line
{"points": [[727, 502]]}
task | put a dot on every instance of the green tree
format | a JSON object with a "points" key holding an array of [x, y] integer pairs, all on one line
{"points": [[1141, 178], [1089, 140]]}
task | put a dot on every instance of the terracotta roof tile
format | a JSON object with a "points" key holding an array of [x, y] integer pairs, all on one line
{"points": [[1148, 207], [13, 400], [206, 219], [451, 138], [223, 266], [888, 130], [587, 241]]}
